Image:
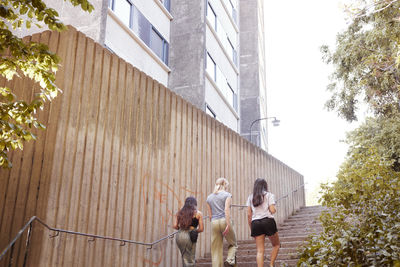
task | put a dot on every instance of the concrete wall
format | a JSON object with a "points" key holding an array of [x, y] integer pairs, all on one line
{"points": [[187, 51], [92, 24], [252, 81]]}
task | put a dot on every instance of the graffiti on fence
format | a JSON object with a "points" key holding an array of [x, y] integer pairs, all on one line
{"points": [[169, 201]]}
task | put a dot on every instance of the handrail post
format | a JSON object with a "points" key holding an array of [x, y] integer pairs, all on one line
{"points": [[28, 242]]}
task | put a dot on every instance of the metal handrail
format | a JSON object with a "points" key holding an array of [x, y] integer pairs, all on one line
{"points": [[123, 241]]}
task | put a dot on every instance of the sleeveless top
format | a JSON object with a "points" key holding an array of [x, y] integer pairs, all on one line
{"points": [[195, 222]]}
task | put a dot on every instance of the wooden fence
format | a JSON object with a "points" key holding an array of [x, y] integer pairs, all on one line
{"points": [[120, 154]]}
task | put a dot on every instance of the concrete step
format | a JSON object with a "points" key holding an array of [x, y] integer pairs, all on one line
{"points": [[252, 263], [292, 233], [252, 244], [251, 251], [306, 220], [285, 226]]}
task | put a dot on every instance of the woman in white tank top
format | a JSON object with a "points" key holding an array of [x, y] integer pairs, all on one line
{"points": [[260, 210]]}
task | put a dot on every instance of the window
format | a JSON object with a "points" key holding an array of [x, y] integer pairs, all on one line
{"points": [[122, 9], [210, 112], [220, 80], [139, 24], [211, 16], [156, 43]]}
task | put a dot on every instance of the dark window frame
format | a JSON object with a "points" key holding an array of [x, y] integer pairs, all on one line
{"points": [[211, 111], [234, 95], [215, 67], [215, 15]]}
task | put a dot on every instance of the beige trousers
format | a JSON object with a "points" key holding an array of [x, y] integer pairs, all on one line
{"points": [[187, 248], [217, 228]]}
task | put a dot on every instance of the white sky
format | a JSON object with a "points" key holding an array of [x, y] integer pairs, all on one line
{"points": [[308, 138]]}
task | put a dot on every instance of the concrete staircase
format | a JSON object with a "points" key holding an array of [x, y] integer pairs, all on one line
{"points": [[292, 233]]}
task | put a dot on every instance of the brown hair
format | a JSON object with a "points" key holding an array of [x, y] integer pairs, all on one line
{"points": [[260, 187], [185, 215]]}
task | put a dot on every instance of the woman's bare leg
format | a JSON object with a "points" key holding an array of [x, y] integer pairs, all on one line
{"points": [[275, 247], [260, 244]]}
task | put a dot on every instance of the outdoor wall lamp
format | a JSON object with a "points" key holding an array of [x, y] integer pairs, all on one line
{"points": [[275, 122]]}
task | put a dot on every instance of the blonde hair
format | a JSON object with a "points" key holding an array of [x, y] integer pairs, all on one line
{"points": [[220, 184]]}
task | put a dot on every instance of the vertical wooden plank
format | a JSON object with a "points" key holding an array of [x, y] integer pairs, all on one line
{"points": [[125, 185], [125, 165], [159, 210], [189, 185], [39, 175], [196, 166], [167, 173], [117, 198], [208, 167], [140, 163], [153, 255], [112, 158], [74, 172], [183, 152], [146, 174], [133, 170], [86, 147], [94, 145], [63, 160], [218, 152], [177, 162], [82, 155], [97, 211], [46, 205], [169, 170]]}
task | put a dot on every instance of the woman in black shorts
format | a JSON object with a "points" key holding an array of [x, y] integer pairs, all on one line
{"points": [[260, 210]]}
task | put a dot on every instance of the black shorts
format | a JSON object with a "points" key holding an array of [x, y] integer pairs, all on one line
{"points": [[264, 226]]}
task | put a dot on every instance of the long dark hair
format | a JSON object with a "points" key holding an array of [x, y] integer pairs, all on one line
{"points": [[185, 215], [260, 186]]}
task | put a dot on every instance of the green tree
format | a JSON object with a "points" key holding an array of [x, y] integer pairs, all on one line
{"points": [[31, 59], [366, 61], [381, 133], [362, 226]]}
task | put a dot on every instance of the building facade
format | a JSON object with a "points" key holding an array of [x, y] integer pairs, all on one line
{"points": [[204, 57], [211, 52]]}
